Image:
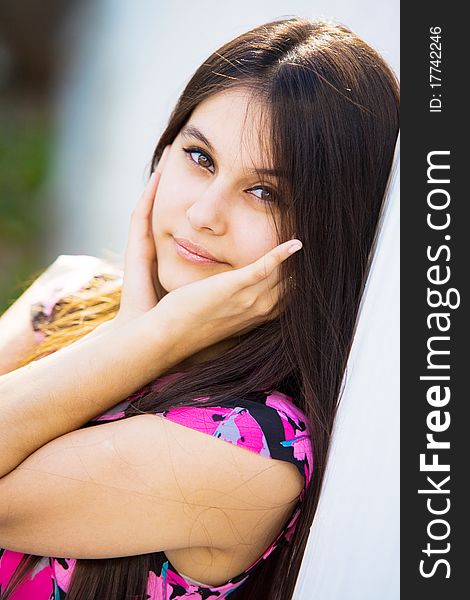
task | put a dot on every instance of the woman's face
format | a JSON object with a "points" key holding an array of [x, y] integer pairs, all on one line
{"points": [[209, 194]]}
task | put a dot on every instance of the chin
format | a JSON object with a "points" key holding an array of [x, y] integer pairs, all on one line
{"points": [[169, 283], [172, 279]]}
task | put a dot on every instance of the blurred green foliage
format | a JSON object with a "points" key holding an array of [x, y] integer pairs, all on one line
{"points": [[25, 143]]}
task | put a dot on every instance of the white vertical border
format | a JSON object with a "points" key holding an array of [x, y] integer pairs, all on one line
{"points": [[353, 549]]}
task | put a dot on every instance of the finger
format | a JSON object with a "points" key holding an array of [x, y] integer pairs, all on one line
{"points": [[144, 206], [276, 305], [264, 266], [139, 242], [273, 298], [140, 249], [163, 159]]}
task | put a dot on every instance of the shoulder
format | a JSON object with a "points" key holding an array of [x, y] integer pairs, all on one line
{"points": [[266, 423], [68, 275], [21, 324], [145, 484]]}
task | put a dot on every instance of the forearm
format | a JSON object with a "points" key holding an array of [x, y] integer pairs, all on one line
{"points": [[64, 390]]}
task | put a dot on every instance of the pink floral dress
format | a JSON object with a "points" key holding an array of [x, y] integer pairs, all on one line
{"points": [[268, 423]]}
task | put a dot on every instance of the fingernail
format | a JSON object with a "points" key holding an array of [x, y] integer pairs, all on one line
{"points": [[294, 247]]}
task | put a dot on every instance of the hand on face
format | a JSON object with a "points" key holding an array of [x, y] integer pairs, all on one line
{"points": [[140, 266], [206, 311]]}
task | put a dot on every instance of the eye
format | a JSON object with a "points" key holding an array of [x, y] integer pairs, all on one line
{"points": [[266, 194], [202, 159]]}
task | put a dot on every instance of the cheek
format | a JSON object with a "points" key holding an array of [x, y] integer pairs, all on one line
{"points": [[255, 240], [168, 205], [159, 216]]}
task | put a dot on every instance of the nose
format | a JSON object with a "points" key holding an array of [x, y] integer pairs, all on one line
{"points": [[209, 209]]}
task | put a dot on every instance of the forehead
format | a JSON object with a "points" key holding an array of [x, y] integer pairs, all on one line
{"points": [[235, 123]]}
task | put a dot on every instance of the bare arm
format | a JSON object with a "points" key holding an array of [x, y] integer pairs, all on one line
{"points": [[65, 275], [17, 338], [59, 393]]}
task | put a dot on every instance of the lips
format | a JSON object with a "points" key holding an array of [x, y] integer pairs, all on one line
{"points": [[195, 249]]}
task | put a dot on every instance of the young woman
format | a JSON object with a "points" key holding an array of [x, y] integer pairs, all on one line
{"points": [[213, 330]]}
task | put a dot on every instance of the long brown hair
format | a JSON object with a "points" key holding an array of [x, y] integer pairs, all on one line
{"points": [[332, 107]]}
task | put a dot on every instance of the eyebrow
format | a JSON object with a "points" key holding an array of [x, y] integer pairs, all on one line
{"points": [[195, 132]]}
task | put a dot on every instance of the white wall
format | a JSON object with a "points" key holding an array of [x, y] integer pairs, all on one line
{"points": [[353, 548]]}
